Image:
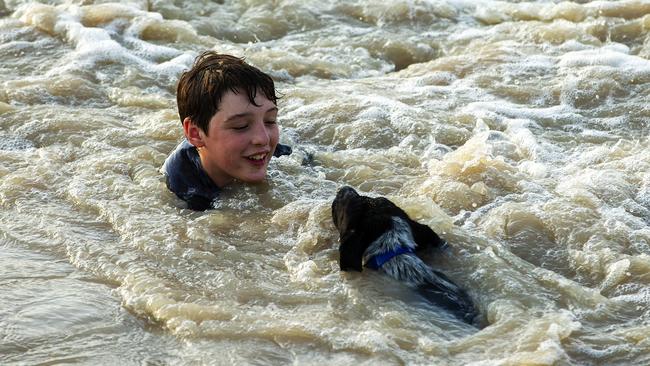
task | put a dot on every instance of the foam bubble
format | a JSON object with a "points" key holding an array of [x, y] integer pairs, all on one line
{"points": [[13, 143], [613, 55], [608, 185], [616, 273]]}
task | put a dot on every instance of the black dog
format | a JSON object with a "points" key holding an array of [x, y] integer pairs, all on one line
{"points": [[376, 232]]}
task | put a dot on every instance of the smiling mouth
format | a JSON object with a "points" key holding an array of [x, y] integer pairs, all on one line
{"points": [[257, 157]]}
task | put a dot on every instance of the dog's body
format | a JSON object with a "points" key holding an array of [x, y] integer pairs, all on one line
{"points": [[376, 232]]}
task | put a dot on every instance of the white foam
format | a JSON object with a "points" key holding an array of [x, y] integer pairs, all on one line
{"points": [[517, 111], [14, 143], [533, 169], [110, 43], [609, 185], [616, 273], [520, 134], [520, 120], [613, 55]]}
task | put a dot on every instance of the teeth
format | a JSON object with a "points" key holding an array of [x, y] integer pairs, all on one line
{"points": [[257, 157]]}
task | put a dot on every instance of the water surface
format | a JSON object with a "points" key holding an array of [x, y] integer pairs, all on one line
{"points": [[519, 131]]}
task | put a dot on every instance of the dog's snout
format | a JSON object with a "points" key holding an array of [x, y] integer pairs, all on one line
{"points": [[340, 203]]}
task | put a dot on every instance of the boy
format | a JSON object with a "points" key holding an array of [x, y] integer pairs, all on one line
{"points": [[228, 109]]}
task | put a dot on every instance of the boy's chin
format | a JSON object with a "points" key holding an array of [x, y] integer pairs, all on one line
{"points": [[253, 179], [251, 175]]}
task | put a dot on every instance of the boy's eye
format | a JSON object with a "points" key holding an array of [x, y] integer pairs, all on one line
{"points": [[240, 128], [270, 122]]}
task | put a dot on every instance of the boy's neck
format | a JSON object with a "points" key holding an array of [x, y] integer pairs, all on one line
{"points": [[219, 179]]}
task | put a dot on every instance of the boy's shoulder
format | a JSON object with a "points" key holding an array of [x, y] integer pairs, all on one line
{"points": [[185, 177]]}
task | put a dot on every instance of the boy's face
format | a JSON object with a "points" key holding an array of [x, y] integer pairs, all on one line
{"points": [[240, 141]]}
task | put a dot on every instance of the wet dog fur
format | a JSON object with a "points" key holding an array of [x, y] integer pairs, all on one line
{"points": [[374, 226]]}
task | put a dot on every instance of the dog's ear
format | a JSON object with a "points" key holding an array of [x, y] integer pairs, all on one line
{"points": [[351, 252], [424, 236]]}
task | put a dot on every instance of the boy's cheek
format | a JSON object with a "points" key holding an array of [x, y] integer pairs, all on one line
{"points": [[274, 139]]}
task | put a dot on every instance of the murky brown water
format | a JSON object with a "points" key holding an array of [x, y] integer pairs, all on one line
{"points": [[517, 130]]}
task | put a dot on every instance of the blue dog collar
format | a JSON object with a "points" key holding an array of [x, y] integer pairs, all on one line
{"points": [[377, 261]]}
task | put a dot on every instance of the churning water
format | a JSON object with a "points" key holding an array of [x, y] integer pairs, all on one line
{"points": [[518, 130]]}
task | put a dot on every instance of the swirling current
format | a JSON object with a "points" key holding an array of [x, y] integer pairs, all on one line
{"points": [[517, 130]]}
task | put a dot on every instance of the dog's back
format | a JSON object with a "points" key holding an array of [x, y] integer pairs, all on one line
{"points": [[410, 269], [376, 233]]}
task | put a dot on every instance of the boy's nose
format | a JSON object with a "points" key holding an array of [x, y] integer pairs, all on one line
{"points": [[260, 134]]}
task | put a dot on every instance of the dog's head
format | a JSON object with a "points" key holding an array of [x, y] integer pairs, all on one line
{"points": [[362, 219]]}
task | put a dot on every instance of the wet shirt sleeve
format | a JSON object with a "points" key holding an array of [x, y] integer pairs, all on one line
{"points": [[185, 177]]}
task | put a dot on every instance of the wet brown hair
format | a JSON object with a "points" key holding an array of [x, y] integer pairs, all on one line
{"points": [[201, 88]]}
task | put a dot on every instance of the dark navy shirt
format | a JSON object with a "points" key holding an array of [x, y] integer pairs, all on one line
{"points": [[187, 179]]}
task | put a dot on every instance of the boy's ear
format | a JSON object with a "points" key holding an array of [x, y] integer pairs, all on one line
{"points": [[193, 133]]}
